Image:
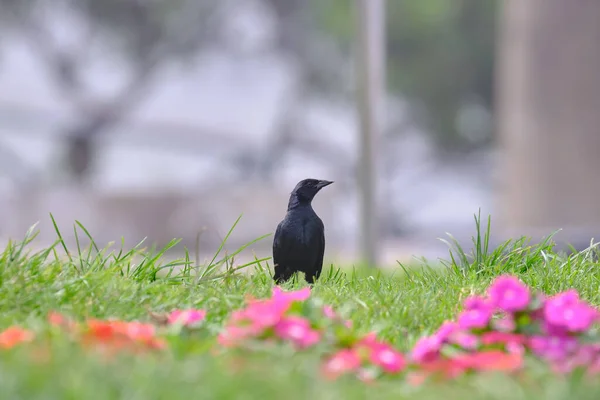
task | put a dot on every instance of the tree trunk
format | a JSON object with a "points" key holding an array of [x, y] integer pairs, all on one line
{"points": [[548, 117]]}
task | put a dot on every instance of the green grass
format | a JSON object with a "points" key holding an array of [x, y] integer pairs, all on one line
{"points": [[401, 305]]}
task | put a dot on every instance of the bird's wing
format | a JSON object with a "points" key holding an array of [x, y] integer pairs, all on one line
{"points": [[319, 262], [277, 244], [283, 245]]}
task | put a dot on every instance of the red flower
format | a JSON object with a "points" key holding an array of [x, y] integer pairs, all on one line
{"points": [[14, 335], [490, 360], [121, 334], [495, 337]]}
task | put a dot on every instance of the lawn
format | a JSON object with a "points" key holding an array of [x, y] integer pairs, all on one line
{"points": [[401, 305]]}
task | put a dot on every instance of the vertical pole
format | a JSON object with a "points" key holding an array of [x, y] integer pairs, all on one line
{"points": [[370, 62]]}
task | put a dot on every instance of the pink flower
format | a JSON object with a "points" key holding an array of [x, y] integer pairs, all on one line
{"points": [[234, 334], [586, 354], [465, 340], [426, 349], [261, 314], [568, 311], [369, 340], [381, 354], [343, 361], [477, 314], [509, 294], [505, 324], [139, 331], [446, 330], [187, 317], [450, 332], [388, 359], [298, 331], [328, 312], [594, 368]]}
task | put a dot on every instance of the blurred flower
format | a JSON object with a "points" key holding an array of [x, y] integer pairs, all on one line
{"points": [[261, 315], [443, 368], [329, 313], [506, 323], [465, 340], [380, 353], [568, 311], [446, 329], [121, 334], [490, 360], [186, 317], [297, 330], [426, 349], [59, 320], [495, 337], [343, 361], [477, 314], [15, 335], [279, 296], [367, 375], [553, 348], [509, 294], [390, 360]]}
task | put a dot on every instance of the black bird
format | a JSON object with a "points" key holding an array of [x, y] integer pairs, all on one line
{"points": [[299, 242]]}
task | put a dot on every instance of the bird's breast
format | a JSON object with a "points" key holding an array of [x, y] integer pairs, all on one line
{"points": [[303, 227]]}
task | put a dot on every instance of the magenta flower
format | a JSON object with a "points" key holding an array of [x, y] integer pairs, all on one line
{"points": [[509, 294], [553, 348], [568, 311], [297, 330], [279, 296], [426, 349], [187, 317], [446, 330], [477, 314]]}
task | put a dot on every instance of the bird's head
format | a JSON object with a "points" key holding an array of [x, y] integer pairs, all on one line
{"points": [[306, 190]]}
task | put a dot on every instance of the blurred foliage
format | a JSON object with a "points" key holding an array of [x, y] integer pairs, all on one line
{"points": [[440, 56]]}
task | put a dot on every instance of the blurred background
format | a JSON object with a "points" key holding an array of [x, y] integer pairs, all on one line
{"points": [[165, 118]]}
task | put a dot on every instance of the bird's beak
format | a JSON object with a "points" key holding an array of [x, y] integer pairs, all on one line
{"points": [[322, 184]]}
